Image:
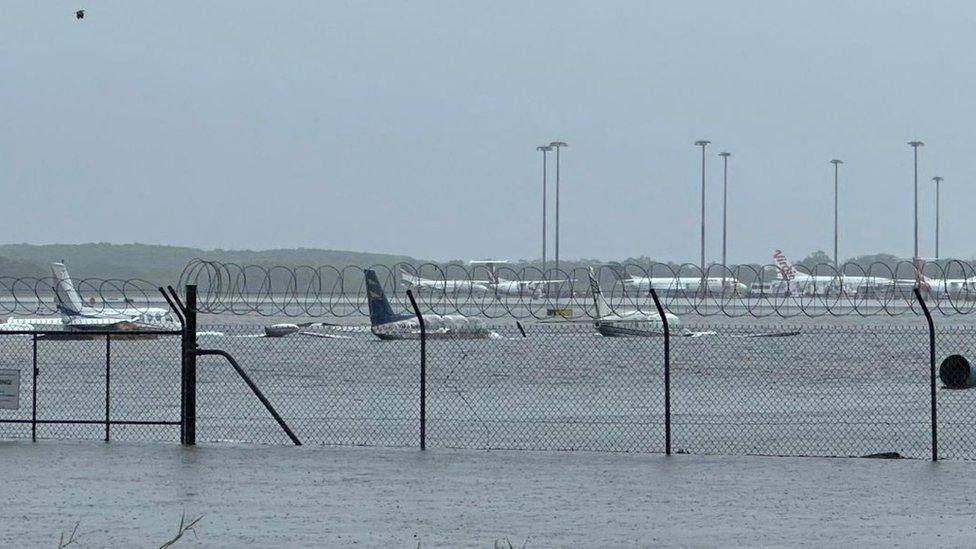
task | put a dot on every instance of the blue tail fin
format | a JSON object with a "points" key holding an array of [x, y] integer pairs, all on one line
{"points": [[380, 311]]}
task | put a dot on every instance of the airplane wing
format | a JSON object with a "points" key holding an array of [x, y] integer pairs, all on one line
{"points": [[36, 321], [95, 323], [788, 333], [325, 336]]}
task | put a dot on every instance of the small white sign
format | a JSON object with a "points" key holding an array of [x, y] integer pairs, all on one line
{"points": [[9, 389]]}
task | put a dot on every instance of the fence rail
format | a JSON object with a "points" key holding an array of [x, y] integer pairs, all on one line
{"points": [[110, 385]]}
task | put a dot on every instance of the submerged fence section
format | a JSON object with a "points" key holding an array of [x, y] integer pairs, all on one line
{"points": [[810, 391], [767, 390], [821, 390], [97, 384]]}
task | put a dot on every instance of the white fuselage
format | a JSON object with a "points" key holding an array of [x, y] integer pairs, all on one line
{"points": [[437, 326], [683, 284], [635, 323], [807, 284], [445, 286]]}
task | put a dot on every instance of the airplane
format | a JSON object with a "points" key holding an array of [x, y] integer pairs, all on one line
{"points": [[794, 281], [443, 286], [387, 325], [643, 284], [75, 315], [502, 286], [627, 323], [941, 286]]}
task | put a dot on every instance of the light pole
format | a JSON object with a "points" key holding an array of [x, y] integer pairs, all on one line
{"points": [[938, 182], [545, 149], [557, 145], [725, 211], [836, 164], [702, 143], [915, 145], [725, 203]]}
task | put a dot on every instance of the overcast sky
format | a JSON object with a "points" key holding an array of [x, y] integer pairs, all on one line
{"points": [[411, 127]]}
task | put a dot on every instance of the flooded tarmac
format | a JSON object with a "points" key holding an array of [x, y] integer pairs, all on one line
{"points": [[133, 495]]}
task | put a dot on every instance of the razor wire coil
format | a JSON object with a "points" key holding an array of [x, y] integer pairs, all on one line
{"points": [[877, 290]]}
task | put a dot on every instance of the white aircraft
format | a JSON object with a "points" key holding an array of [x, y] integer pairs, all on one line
{"points": [[387, 325], [643, 284], [76, 315], [941, 286], [443, 286], [628, 323], [501, 286], [794, 281]]}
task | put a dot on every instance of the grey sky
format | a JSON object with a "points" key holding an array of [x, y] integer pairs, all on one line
{"points": [[410, 127]]}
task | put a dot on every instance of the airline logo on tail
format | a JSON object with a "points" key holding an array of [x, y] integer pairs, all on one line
{"points": [[785, 268]]}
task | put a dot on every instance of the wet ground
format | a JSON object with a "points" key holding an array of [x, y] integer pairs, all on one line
{"points": [[133, 495]]}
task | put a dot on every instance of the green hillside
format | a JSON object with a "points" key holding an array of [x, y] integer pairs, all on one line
{"points": [[162, 264]]}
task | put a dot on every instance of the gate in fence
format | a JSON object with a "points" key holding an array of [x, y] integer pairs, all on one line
{"points": [[93, 384]]}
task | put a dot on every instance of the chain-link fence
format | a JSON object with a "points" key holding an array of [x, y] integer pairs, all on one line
{"points": [[112, 386], [557, 387], [813, 391], [331, 387], [825, 390]]}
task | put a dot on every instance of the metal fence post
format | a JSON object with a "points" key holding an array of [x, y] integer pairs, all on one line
{"points": [[423, 371], [34, 372], [667, 372], [108, 383], [935, 412], [189, 377]]}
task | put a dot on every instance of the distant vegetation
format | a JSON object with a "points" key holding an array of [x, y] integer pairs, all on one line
{"points": [[162, 264]]}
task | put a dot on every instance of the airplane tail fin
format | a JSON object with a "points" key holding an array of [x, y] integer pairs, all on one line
{"points": [[921, 281], [380, 311], [68, 300], [786, 270], [618, 271], [411, 279], [602, 309]]}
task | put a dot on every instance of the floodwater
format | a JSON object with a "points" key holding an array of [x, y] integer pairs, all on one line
{"points": [[835, 388], [845, 388], [134, 494]]}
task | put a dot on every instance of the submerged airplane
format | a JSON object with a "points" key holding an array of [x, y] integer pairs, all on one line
{"points": [[643, 284], [627, 323], [75, 315], [385, 324]]}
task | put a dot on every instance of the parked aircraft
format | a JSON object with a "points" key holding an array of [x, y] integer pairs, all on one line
{"points": [[796, 282], [941, 286], [443, 286], [502, 286], [627, 323], [75, 315], [687, 284], [385, 324]]}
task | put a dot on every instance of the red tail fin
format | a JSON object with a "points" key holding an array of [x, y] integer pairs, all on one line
{"points": [[785, 269]]}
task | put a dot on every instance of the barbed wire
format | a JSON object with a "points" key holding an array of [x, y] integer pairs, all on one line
{"points": [[879, 289], [35, 295], [523, 292]]}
